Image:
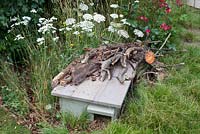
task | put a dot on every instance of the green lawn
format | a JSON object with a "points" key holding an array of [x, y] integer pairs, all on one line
{"points": [[9, 126], [171, 106]]}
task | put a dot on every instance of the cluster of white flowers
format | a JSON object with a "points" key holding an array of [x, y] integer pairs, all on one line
{"points": [[123, 33], [114, 5], [13, 19], [46, 25], [40, 41], [19, 37], [111, 29], [70, 21], [120, 32], [76, 33], [87, 17], [116, 27], [83, 7], [137, 1], [99, 18], [25, 20], [33, 11], [91, 4], [138, 33], [48, 107], [86, 26], [124, 21], [55, 39], [114, 15]]}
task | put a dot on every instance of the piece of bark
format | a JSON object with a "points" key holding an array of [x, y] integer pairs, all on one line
{"points": [[62, 74], [81, 72]]}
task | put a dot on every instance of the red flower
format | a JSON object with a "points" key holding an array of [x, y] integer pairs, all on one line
{"points": [[147, 32], [162, 0], [179, 3], [164, 5], [165, 27], [168, 10], [143, 18]]}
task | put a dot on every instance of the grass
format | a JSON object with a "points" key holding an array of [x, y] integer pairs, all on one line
{"points": [[9, 126], [170, 106]]}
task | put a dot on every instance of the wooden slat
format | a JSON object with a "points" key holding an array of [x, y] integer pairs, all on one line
{"points": [[115, 92], [107, 93], [88, 90], [62, 91]]}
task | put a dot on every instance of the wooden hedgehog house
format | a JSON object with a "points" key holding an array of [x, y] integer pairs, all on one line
{"points": [[98, 82]]}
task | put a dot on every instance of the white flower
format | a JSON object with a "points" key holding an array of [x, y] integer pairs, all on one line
{"points": [[26, 18], [114, 15], [76, 32], [91, 4], [116, 25], [68, 28], [99, 18], [55, 39], [121, 15], [40, 41], [83, 7], [111, 29], [25, 22], [87, 17], [123, 33], [12, 25], [53, 18], [16, 24], [41, 20], [47, 28], [13, 19], [33, 11], [54, 31], [105, 42], [70, 21], [75, 25], [48, 107], [61, 29], [114, 5], [86, 25], [124, 21], [138, 33], [19, 37], [137, 1]]}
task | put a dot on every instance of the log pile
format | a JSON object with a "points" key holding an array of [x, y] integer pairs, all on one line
{"points": [[98, 63]]}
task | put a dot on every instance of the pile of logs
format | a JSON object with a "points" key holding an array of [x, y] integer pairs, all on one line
{"points": [[98, 63]]}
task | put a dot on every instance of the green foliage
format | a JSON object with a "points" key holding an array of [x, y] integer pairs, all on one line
{"points": [[9, 126], [14, 92], [81, 122], [13, 8], [16, 50], [52, 130]]}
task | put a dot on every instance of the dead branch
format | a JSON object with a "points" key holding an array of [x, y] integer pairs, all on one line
{"points": [[163, 43]]}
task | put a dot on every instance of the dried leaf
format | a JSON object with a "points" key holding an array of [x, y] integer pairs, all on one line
{"points": [[149, 57]]}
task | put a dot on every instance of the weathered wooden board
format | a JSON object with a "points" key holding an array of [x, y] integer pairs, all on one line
{"points": [[108, 93]]}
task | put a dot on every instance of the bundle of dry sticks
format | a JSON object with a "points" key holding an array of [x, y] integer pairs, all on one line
{"points": [[98, 63]]}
